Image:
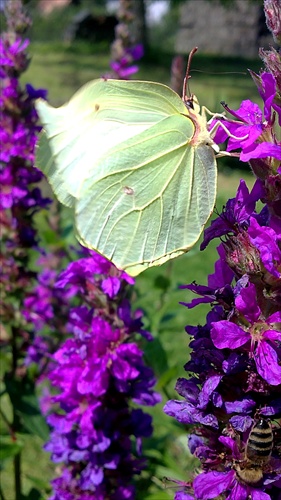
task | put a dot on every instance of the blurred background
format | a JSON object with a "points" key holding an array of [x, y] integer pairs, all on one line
{"points": [[71, 39]]}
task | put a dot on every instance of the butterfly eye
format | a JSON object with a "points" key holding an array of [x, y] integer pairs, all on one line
{"points": [[189, 103]]}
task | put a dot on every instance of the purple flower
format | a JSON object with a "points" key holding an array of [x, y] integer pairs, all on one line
{"points": [[37, 350], [267, 91], [137, 51], [35, 93], [40, 305], [212, 484], [218, 289], [249, 133], [13, 54], [236, 213], [133, 321], [260, 335], [123, 66], [79, 272], [267, 242]]}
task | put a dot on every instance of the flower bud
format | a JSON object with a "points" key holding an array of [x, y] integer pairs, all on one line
{"points": [[272, 10], [272, 60], [242, 256]]}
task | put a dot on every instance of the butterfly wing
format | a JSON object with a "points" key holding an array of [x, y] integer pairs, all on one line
{"points": [[153, 198], [120, 153]]}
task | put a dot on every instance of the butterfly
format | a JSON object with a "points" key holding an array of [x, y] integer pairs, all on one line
{"points": [[136, 163]]}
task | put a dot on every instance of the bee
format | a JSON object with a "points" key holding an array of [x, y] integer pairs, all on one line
{"points": [[257, 453]]}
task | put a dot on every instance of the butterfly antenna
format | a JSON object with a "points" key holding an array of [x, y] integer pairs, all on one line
{"points": [[185, 88]]}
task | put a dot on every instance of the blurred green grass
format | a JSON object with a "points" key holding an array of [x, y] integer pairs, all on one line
{"points": [[62, 70]]}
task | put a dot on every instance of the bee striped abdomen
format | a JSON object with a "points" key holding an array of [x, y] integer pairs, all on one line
{"points": [[260, 442]]}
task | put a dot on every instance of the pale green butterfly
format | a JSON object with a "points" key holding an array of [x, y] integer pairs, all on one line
{"points": [[137, 164]]}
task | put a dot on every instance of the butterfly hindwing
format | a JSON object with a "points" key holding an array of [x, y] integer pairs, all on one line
{"points": [[122, 155]]}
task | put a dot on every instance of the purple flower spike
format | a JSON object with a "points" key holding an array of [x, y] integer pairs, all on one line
{"points": [[97, 373], [234, 368]]}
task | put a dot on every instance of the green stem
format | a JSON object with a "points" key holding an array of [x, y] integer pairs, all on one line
{"points": [[17, 476], [17, 458], [1, 494], [168, 396], [14, 349]]}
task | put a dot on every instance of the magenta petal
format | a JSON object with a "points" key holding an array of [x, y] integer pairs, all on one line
{"points": [[267, 363], [181, 495], [266, 241], [272, 335], [86, 422], [239, 492], [251, 134], [231, 444], [212, 484], [127, 278], [267, 92], [137, 51], [262, 150], [223, 273], [274, 318], [246, 303], [259, 495], [249, 112], [123, 370], [111, 286], [227, 334], [181, 410], [207, 390]]}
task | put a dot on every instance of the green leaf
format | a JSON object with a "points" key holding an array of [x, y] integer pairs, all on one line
{"points": [[33, 494], [166, 377], [41, 484], [25, 403], [35, 423], [158, 495], [156, 356], [9, 448]]}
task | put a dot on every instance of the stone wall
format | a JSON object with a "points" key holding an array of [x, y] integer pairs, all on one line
{"points": [[238, 30]]}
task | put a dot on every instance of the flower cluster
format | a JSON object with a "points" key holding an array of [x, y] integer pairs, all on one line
{"points": [[124, 51], [20, 197], [253, 133], [98, 373], [18, 133], [235, 364], [46, 308]]}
